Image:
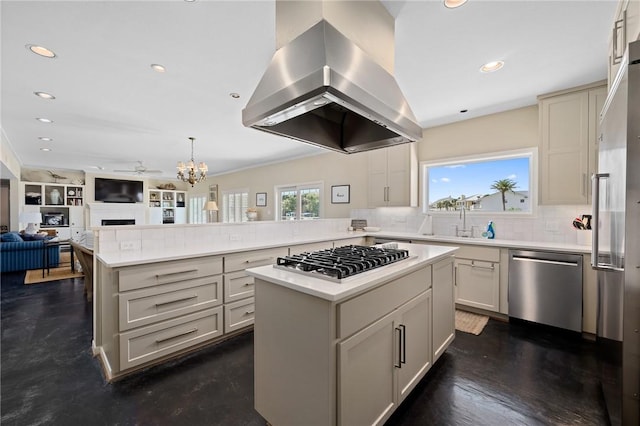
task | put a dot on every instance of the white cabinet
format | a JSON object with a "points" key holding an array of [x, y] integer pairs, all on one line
{"points": [[366, 361], [444, 321], [167, 207], [624, 30], [393, 176], [380, 365], [478, 284], [346, 362], [61, 206], [569, 128], [149, 313], [477, 277], [239, 286]]}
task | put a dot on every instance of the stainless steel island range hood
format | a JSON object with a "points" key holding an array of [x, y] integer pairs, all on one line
{"points": [[323, 89]]}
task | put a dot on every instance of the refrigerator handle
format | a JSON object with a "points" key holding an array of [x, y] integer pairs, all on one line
{"points": [[595, 253]]}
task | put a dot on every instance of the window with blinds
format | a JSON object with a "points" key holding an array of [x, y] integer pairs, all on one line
{"points": [[234, 205], [196, 212]]}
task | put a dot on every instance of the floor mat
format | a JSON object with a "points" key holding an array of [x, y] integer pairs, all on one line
{"points": [[470, 323]]}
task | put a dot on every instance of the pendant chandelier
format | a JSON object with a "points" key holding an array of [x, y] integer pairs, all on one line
{"points": [[192, 176]]}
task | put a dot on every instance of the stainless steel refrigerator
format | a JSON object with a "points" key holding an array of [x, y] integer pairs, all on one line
{"points": [[616, 242]]}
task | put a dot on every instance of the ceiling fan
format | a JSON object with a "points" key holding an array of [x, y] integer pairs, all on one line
{"points": [[140, 169]]}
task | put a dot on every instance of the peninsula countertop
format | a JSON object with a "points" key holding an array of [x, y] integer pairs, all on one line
{"points": [[138, 257], [419, 257]]}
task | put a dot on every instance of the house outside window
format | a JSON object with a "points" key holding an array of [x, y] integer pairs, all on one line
{"points": [[299, 202], [496, 183], [234, 205]]}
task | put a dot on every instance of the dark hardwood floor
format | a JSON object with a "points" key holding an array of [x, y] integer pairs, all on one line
{"points": [[512, 374]]}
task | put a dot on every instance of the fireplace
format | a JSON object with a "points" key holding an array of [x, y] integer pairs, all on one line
{"points": [[113, 222]]}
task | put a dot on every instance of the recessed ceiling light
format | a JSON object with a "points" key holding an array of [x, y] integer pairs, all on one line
{"points": [[492, 66], [234, 95], [158, 68], [42, 51], [43, 138], [190, 1], [452, 4], [45, 149], [44, 95], [44, 120]]}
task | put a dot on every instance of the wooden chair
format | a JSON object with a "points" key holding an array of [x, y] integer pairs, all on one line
{"points": [[85, 257]]}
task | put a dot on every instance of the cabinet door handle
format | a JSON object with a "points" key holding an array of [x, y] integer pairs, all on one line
{"points": [[403, 335], [193, 330], [176, 301], [399, 364], [490, 268], [619, 26], [455, 275], [168, 274]]}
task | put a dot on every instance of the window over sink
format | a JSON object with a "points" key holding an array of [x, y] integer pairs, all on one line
{"points": [[495, 183]]}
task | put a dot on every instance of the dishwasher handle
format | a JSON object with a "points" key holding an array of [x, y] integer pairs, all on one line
{"points": [[549, 262]]}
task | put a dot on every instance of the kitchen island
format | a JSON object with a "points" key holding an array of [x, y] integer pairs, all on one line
{"points": [[348, 353]]}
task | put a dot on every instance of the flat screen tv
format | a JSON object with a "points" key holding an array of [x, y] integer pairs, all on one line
{"points": [[118, 190]]}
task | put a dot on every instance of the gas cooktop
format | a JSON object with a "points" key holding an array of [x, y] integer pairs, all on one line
{"points": [[341, 262]]}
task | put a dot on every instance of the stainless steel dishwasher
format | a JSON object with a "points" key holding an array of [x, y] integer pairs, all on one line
{"points": [[546, 288]]}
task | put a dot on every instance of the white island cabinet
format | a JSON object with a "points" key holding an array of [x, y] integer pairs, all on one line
{"points": [[348, 353]]}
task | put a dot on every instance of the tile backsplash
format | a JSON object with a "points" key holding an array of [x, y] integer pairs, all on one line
{"points": [[551, 223]]}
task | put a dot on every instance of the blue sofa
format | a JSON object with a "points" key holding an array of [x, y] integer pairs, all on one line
{"points": [[23, 255]]}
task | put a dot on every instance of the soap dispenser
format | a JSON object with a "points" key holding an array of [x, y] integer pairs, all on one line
{"points": [[491, 233]]}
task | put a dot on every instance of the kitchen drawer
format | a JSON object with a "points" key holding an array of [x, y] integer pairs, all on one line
{"points": [[142, 276], [239, 314], [250, 259], [143, 307], [488, 254], [357, 313], [237, 285], [152, 342]]}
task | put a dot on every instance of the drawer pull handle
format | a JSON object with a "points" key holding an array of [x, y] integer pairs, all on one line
{"points": [[262, 259], [248, 284], [193, 330], [168, 274], [249, 312], [176, 301], [490, 268]]}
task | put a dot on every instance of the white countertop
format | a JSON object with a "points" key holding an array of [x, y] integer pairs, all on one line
{"points": [[220, 247], [515, 244], [420, 256], [139, 257]]}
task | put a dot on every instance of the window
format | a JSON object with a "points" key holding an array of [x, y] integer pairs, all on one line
{"points": [[196, 214], [299, 202], [234, 205], [493, 183]]}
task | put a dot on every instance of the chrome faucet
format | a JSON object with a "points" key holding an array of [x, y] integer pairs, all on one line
{"points": [[464, 232]]}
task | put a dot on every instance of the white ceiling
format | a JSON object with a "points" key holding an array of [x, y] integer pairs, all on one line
{"points": [[111, 110]]}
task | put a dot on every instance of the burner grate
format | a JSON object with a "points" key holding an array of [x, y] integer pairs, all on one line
{"points": [[342, 262]]}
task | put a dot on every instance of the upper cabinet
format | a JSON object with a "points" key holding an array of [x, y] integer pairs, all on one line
{"points": [[624, 30], [569, 128], [393, 180]]}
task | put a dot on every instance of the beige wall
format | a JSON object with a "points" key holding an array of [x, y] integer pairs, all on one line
{"points": [[505, 131], [330, 168], [514, 129]]}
